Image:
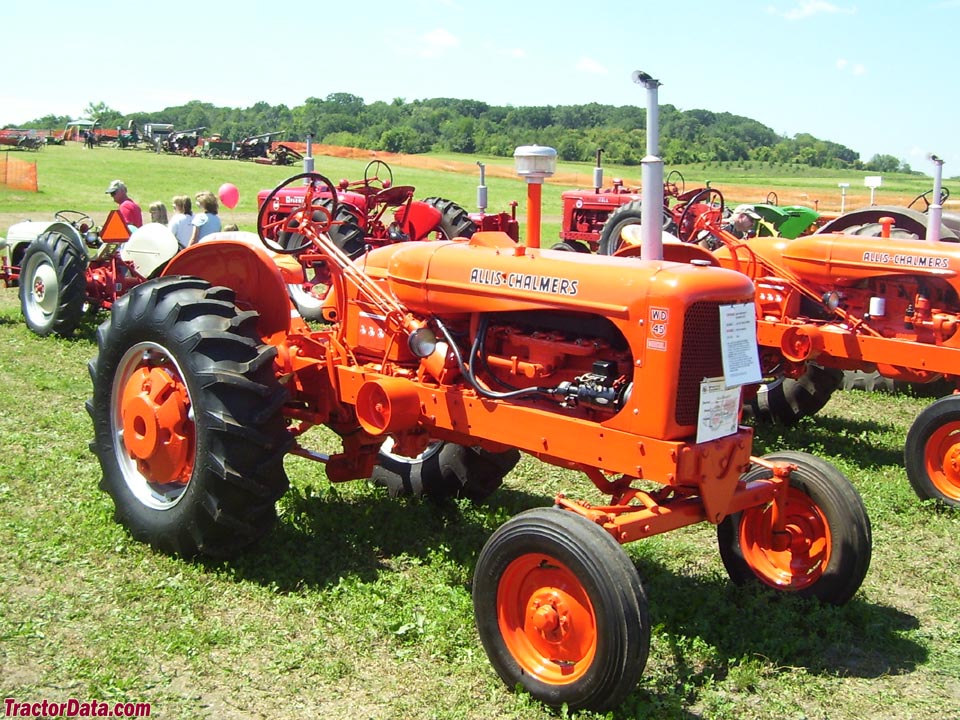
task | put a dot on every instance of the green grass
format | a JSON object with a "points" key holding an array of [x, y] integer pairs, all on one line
{"points": [[359, 606]]}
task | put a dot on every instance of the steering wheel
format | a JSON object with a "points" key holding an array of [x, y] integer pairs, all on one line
{"points": [[674, 185], [372, 173], [772, 198], [925, 196], [703, 200], [316, 212], [80, 220]]}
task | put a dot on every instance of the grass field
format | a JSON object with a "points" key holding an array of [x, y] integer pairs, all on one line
{"points": [[358, 606], [71, 177]]}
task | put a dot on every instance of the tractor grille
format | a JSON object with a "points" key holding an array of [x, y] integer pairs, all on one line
{"points": [[699, 359]]}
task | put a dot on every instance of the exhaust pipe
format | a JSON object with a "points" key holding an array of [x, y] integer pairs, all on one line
{"points": [[651, 204]]}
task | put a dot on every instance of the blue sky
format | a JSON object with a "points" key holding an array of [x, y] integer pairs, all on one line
{"points": [[877, 76]]}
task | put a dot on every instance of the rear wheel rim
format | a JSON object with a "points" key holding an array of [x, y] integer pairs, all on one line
{"points": [[546, 619], [43, 292], [153, 424], [795, 561], [942, 459]]}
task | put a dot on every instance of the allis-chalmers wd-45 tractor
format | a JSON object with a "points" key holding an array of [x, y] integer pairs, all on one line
{"points": [[69, 266], [438, 361], [872, 290]]}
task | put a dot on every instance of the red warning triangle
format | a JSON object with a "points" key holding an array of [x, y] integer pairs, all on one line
{"points": [[114, 230]]}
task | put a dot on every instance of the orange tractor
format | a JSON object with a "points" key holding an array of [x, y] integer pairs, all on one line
{"points": [[865, 292], [437, 362]]}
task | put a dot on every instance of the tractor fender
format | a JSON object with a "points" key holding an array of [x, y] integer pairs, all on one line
{"points": [[149, 247], [248, 270], [905, 219], [20, 235], [418, 219]]}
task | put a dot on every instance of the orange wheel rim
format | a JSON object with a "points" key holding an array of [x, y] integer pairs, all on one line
{"points": [[546, 619], [942, 460], [795, 560], [157, 429]]}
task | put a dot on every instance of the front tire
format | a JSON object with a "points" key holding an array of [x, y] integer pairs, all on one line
{"points": [[932, 452], [561, 611], [53, 286], [826, 552], [187, 419]]}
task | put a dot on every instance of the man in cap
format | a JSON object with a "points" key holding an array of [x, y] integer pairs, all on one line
{"points": [[741, 222], [128, 209]]}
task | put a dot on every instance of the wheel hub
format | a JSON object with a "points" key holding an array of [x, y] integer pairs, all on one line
{"points": [[45, 288], [549, 617], [155, 411]]}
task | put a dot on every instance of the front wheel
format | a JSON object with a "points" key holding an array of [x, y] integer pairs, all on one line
{"points": [[187, 419], [561, 611], [932, 452], [53, 285], [825, 550]]}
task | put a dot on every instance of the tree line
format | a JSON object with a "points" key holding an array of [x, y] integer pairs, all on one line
{"points": [[474, 127]]}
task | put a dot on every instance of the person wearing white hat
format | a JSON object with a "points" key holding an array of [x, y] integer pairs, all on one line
{"points": [[129, 210]]}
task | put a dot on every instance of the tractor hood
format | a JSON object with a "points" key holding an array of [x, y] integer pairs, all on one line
{"points": [[463, 277], [846, 259]]}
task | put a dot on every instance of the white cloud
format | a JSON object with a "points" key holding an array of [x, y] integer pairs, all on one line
{"points": [[436, 43], [856, 69], [591, 66], [809, 8]]}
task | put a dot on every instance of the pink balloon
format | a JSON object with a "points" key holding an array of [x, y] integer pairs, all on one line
{"points": [[229, 195]]}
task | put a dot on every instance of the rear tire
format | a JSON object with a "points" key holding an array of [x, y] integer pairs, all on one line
{"points": [[829, 542], [443, 471], [53, 285], [187, 419], [875, 382], [455, 222], [629, 214], [785, 401], [561, 611]]}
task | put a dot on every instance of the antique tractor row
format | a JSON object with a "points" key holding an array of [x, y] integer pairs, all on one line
{"points": [[69, 266], [439, 360], [865, 292]]}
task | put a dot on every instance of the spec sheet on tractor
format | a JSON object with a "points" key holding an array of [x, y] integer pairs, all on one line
{"points": [[738, 344], [719, 413]]}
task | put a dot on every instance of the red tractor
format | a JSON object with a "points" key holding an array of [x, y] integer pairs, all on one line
{"points": [[594, 219], [370, 213], [865, 292], [438, 362]]}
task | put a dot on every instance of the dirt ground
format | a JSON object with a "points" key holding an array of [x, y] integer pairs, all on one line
{"points": [[856, 197]]}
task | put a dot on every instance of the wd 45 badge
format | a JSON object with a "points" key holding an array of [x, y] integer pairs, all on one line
{"points": [[658, 321], [659, 317]]}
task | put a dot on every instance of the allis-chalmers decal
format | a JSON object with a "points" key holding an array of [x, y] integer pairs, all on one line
{"points": [[523, 281], [919, 261]]}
